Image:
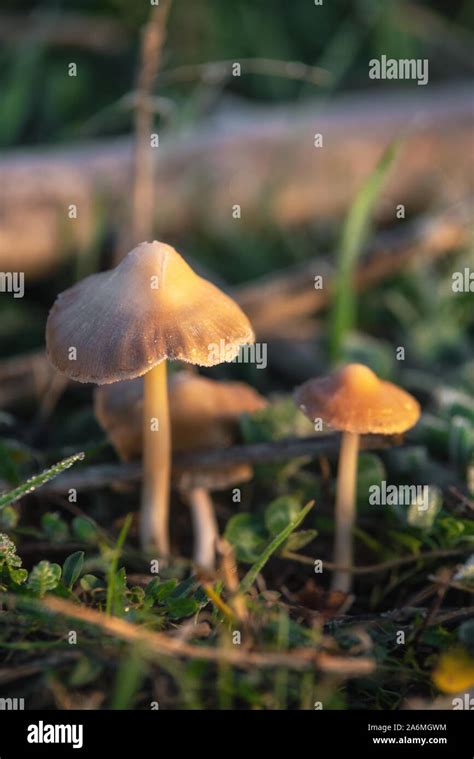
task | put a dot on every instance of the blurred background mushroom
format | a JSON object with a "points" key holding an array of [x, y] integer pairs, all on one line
{"points": [[355, 401], [150, 308], [204, 413]]}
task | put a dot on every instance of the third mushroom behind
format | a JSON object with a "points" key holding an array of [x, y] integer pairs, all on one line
{"points": [[204, 414]]}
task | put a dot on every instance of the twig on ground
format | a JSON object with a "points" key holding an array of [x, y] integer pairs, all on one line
{"points": [[216, 71], [383, 566], [102, 475], [158, 644]]}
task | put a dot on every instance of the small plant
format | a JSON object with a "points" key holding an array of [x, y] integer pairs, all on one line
{"points": [[10, 564], [43, 578]]}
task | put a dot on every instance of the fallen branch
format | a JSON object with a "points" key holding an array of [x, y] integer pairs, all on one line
{"points": [[383, 566], [103, 475], [157, 644], [289, 295]]}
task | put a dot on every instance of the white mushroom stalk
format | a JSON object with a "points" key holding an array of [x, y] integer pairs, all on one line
{"points": [[345, 511], [154, 523], [206, 532]]}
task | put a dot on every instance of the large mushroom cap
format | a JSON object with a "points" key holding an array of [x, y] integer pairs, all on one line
{"points": [[120, 323], [204, 413], [354, 399]]}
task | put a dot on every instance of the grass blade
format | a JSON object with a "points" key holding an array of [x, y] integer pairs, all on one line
{"points": [[35, 482], [353, 237], [273, 546], [112, 573], [129, 678]]}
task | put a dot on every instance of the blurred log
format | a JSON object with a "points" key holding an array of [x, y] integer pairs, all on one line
{"points": [[261, 158]]}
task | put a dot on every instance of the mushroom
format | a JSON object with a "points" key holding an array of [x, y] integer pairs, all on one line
{"points": [[125, 323], [355, 401], [204, 414]]}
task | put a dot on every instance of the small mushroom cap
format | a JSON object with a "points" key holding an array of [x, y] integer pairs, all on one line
{"points": [[213, 479], [119, 409], [204, 413], [151, 307], [354, 399]]}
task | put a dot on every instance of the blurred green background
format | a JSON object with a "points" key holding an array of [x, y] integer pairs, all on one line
{"points": [[42, 104]]}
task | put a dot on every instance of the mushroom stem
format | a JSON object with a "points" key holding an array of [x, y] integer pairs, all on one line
{"points": [[345, 510], [205, 527], [156, 461]]}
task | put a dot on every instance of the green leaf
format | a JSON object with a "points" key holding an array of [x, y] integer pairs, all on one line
{"points": [[44, 577], [72, 568], [8, 552], [84, 672], [182, 607], [90, 582], [54, 527], [280, 512], [18, 576], [353, 238], [85, 530], [160, 590], [280, 419], [248, 536], [275, 544], [136, 595], [299, 539], [35, 482], [9, 518], [185, 587]]}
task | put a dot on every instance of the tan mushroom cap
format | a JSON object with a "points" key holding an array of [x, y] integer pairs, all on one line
{"points": [[151, 307], [212, 478], [354, 399], [118, 408], [204, 413]]}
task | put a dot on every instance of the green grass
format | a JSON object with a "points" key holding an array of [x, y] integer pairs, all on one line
{"points": [[354, 235]]}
